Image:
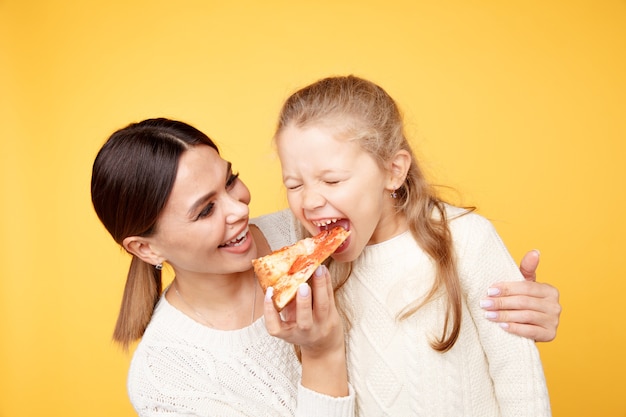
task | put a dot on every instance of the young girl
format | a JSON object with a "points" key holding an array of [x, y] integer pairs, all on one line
{"points": [[164, 193], [414, 268]]}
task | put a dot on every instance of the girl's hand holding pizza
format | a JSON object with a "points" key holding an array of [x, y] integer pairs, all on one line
{"points": [[312, 322]]}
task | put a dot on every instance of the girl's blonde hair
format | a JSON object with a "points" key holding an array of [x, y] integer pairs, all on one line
{"points": [[363, 111]]}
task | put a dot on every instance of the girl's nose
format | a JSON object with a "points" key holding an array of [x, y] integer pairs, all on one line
{"points": [[312, 200]]}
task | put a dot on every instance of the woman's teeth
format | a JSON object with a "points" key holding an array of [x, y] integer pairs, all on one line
{"points": [[238, 240]]}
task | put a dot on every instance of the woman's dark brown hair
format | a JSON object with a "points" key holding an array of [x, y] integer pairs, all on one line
{"points": [[132, 178]]}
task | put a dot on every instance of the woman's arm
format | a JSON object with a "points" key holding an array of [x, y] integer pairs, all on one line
{"points": [[514, 363], [527, 308]]}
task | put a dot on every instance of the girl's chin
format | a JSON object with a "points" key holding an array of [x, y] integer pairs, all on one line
{"points": [[345, 253]]}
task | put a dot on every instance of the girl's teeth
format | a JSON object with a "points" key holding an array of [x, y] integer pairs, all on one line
{"points": [[325, 222]]}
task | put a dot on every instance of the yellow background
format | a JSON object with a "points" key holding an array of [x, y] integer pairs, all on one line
{"points": [[518, 105]]}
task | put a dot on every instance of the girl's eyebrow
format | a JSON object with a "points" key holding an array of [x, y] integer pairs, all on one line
{"points": [[202, 200]]}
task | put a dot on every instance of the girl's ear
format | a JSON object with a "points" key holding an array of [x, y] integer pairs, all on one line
{"points": [[141, 248], [398, 167]]}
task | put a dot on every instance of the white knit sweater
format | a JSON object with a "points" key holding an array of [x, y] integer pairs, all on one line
{"points": [[182, 368], [392, 367]]}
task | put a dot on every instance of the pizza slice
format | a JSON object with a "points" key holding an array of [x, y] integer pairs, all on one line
{"points": [[286, 268]]}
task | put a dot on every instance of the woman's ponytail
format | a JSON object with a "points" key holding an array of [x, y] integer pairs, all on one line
{"points": [[141, 293]]}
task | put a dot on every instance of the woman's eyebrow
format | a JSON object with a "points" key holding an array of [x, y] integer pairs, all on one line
{"points": [[229, 170]]}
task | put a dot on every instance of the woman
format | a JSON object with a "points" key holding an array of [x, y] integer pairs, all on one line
{"points": [[164, 193]]}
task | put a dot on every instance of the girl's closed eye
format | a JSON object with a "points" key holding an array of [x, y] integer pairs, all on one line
{"points": [[335, 179], [292, 185]]}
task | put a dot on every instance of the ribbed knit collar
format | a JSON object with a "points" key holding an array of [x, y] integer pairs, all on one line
{"points": [[169, 318]]}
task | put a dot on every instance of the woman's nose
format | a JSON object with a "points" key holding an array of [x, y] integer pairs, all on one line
{"points": [[237, 210]]}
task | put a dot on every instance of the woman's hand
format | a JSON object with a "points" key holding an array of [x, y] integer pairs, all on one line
{"points": [[527, 308], [312, 322]]}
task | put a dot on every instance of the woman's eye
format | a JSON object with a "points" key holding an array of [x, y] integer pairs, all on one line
{"points": [[205, 211], [292, 187], [231, 180]]}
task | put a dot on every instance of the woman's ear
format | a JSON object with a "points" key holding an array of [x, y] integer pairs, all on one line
{"points": [[398, 167], [141, 248]]}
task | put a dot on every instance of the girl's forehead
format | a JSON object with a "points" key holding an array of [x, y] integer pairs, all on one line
{"points": [[318, 131], [314, 141]]}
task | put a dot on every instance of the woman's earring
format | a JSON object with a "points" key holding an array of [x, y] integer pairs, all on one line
{"points": [[158, 267], [394, 194]]}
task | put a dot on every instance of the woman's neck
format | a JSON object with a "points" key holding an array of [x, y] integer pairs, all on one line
{"points": [[224, 302]]}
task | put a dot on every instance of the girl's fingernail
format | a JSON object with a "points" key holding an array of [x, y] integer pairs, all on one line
{"points": [[504, 325], [319, 271], [304, 290], [493, 291], [491, 315], [486, 303], [269, 293]]}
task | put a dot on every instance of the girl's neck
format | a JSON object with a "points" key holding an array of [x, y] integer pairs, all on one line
{"points": [[390, 226]]}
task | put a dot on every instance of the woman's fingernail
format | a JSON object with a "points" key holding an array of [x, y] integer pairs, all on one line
{"points": [[304, 290], [493, 291], [504, 325], [269, 293], [491, 315], [486, 303], [319, 271]]}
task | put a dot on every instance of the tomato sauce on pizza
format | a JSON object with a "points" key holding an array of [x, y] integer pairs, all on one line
{"points": [[288, 267]]}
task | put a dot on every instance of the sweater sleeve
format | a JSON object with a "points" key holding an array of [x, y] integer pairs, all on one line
{"points": [[280, 228], [514, 362], [314, 404]]}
